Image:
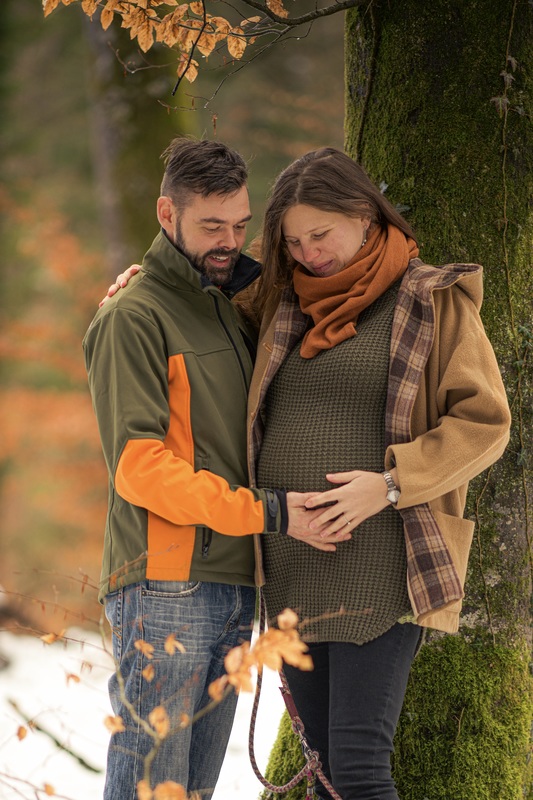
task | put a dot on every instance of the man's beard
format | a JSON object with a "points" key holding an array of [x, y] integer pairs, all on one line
{"points": [[217, 275]]}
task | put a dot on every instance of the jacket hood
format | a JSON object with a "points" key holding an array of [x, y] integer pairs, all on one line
{"points": [[427, 278]]}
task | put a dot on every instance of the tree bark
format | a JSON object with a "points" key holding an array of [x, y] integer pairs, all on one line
{"points": [[439, 106]]}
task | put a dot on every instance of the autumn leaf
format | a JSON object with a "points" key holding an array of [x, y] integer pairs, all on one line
{"points": [[197, 8], [170, 791], [71, 677], [89, 6], [277, 7], [216, 688], [172, 644], [187, 68], [49, 6], [143, 791], [206, 43], [22, 732], [50, 638], [145, 648], [236, 43], [49, 790], [184, 721], [248, 20], [158, 719], [114, 724], [287, 619], [148, 673]]}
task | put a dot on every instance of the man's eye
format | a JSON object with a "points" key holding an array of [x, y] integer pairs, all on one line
{"points": [[212, 230]]}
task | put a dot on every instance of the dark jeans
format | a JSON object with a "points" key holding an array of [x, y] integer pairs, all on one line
{"points": [[350, 704]]}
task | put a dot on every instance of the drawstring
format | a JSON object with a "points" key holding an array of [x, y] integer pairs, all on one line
{"points": [[312, 767]]}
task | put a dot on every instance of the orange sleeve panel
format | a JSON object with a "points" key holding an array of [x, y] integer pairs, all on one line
{"points": [[149, 475]]}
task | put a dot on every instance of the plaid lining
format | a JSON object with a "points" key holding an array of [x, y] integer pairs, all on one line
{"points": [[432, 578]]}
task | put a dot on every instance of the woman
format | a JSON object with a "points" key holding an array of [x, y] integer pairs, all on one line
{"points": [[376, 388], [373, 376]]}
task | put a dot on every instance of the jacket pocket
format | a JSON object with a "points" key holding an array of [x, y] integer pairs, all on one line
{"points": [[457, 534]]}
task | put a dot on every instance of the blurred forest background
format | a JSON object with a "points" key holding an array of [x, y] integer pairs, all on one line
{"points": [[80, 141]]}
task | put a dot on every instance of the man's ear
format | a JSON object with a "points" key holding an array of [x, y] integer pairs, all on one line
{"points": [[166, 215]]}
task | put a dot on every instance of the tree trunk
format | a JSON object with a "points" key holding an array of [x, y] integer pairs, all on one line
{"points": [[439, 106]]}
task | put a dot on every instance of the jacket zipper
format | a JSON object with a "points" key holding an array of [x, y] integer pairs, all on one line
{"points": [[230, 337], [207, 535]]}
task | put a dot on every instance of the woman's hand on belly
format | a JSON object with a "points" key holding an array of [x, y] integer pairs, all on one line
{"points": [[359, 496], [300, 518]]}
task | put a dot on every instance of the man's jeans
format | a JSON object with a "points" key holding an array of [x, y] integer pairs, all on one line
{"points": [[207, 619]]}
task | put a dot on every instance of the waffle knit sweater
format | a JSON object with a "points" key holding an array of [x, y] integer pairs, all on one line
{"points": [[327, 414]]}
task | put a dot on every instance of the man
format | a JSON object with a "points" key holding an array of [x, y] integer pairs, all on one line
{"points": [[169, 361]]}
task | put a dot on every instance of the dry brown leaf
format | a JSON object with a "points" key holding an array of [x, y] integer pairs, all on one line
{"points": [[247, 21], [172, 644], [50, 638], [22, 732], [197, 8], [49, 6], [143, 791], [145, 648], [148, 673], [287, 619], [217, 687], [187, 68], [89, 6], [277, 7], [71, 677], [170, 791], [49, 790], [114, 724], [236, 43], [184, 721], [158, 719]]}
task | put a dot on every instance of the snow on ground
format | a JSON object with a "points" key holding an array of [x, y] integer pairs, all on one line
{"points": [[37, 682]]}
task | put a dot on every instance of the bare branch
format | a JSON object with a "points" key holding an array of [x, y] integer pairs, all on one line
{"points": [[318, 13]]}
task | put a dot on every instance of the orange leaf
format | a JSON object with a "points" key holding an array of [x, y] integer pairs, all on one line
{"points": [[114, 724], [236, 43], [49, 6], [287, 619], [197, 8], [89, 6], [186, 69], [71, 677], [277, 7], [170, 791], [49, 790], [22, 732], [149, 673], [145, 648], [172, 644], [217, 687], [185, 721], [159, 720], [50, 638], [143, 791]]}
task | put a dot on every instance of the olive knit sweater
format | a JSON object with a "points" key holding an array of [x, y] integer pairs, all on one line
{"points": [[326, 414]]}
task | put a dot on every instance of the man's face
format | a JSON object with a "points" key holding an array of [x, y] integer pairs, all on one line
{"points": [[211, 232]]}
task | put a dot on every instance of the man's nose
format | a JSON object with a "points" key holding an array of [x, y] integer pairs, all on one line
{"points": [[227, 240]]}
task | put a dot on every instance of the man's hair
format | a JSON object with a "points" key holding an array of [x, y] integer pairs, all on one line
{"points": [[201, 167]]}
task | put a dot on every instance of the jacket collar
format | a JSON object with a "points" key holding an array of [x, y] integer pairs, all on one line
{"points": [[171, 266]]}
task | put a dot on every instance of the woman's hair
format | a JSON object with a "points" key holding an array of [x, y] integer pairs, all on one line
{"points": [[326, 179]]}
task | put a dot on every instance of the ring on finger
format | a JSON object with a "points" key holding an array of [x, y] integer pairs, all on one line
{"points": [[348, 523]]}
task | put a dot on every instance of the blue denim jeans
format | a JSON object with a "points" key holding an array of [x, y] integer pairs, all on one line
{"points": [[350, 705], [208, 619]]}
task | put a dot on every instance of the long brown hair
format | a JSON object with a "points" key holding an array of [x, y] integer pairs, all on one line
{"points": [[326, 179]]}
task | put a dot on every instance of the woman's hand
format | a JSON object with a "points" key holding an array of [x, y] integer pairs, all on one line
{"points": [[360, 495], [300, 518], [121, 281]]}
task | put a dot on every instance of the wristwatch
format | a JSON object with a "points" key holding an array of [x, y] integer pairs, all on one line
{"points": [[393, 493]]}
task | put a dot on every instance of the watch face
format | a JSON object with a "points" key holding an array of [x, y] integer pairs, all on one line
{"points": [[393, 496]]}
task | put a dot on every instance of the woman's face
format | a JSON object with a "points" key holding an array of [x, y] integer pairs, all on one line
{"points": [[324, 242]]}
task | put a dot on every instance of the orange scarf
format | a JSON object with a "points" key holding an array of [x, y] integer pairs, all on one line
{"points": [[335, 302]]}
